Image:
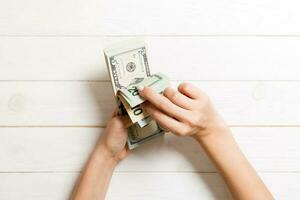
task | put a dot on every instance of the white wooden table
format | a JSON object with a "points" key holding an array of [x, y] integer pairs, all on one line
{"points": [[55, 94]]}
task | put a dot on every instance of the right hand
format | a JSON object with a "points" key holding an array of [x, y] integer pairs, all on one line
{"points": [[186, 111]]}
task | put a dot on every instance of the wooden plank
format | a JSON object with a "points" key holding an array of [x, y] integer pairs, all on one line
{"points": [[208, 58], [90, 103], [67, 149], [208, 186], [116, 17]]}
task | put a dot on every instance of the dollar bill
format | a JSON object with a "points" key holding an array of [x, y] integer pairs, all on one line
{"points": [[128, 61], [136, 113], [131, 99], [158, 83]]}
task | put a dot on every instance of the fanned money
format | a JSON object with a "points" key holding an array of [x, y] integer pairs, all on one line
{"points": [[158, 83], [132, 101], [127, 63]]}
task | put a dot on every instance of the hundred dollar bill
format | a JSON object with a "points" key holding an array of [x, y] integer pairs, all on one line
{"points": [[125, 62]]}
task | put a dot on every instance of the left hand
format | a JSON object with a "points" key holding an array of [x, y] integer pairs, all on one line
{"points": [[113, 139]]}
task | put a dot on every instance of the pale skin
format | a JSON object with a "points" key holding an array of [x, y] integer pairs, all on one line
{"points": [[186, 111]]}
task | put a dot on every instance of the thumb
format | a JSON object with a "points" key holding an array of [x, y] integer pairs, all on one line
{"points": [[125, 120]]}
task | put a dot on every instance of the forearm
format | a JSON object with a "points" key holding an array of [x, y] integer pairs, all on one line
{"points": [[241, 178], [95, 177]]}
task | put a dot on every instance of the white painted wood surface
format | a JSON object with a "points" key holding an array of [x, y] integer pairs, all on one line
{"points": [[29, 150], [73, 103], [55, 95], [161, 17], [136, 186], [209, 57]]}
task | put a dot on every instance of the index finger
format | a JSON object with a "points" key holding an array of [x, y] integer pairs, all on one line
{"points": [[163, 103]]}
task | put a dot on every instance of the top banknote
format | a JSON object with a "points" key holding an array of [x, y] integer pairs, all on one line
{"points": [[127, 64]]}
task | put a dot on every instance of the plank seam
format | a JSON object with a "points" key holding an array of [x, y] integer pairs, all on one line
{"points": [[103, 126], [151, 35], [141, 172], [175, 80]]}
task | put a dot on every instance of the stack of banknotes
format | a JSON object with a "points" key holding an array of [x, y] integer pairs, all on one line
{"points": [[128, 68]]}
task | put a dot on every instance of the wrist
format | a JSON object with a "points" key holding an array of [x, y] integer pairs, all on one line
{"points": [[216, 140], [215, 128], [102, 152]]}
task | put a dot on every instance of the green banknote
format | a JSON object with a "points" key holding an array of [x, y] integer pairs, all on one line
{"points": [[157, 82], [127, 62]]}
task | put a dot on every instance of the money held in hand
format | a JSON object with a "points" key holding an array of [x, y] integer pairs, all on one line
{"points": [[131, 99], [128, 68], [157, 82]]}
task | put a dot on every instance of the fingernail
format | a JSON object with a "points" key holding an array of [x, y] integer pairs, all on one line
{"points": [[140, 88]]}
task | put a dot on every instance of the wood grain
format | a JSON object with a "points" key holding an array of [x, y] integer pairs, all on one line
{"points": [[67, 149], [133, 17], [208, 186], [181, 58], [55, 95], [252, 103]]}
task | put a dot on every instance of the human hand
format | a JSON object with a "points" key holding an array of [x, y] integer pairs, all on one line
{"points": [[189, 111], [114, 138], [186, 111], [111, 148]]}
